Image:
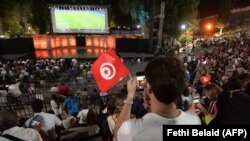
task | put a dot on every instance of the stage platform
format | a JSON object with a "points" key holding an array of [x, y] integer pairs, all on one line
{"points": [[74, 52]]}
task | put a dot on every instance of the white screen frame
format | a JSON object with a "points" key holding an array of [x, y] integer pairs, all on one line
{"points": [[54, 9]]}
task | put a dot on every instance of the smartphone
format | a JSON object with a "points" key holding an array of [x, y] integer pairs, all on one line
{"points": [[140, 80], [204, 62], [196, 101], [34, 123]]}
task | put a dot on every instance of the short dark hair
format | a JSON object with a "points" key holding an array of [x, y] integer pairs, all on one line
{"points": [[37, 105], [234, 83], [91, 117], [54, 97], [246, 87], [8, 119], [166, 76]]}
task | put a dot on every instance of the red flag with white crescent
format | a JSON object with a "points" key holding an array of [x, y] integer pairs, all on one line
{"points": [[205, 79], [108, 70]]}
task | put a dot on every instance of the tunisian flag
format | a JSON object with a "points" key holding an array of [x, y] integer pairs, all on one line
{"points": [[205, 79], [108, 70]]}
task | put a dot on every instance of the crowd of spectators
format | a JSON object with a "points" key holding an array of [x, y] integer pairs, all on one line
{"points": [[168, 96]]}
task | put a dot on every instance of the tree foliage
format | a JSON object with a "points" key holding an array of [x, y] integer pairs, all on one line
{"points": [[15, 16], [19, 16], [135, 8], [224, 13], [40, 16], [125, 6], [179, 12]]}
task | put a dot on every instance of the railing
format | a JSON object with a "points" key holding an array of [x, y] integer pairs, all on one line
{"points": [[22, 104]]}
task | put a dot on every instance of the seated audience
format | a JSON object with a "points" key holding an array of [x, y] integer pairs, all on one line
{"points": [[10, 131]]}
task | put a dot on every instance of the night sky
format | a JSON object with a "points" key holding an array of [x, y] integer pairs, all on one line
{"points": [[210, 7], [206, 8]]}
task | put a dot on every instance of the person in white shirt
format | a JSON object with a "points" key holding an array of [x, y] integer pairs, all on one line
{"points": [[50, 121], [82, 115], [8, 126], [55, 105], [4, 139], [165, 82], [14, 89]]}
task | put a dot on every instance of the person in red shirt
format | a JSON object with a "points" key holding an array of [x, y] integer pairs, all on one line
{"points": [[64, 89]]}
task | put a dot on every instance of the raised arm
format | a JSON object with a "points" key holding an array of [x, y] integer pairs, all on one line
{"points": [[126, 109]]}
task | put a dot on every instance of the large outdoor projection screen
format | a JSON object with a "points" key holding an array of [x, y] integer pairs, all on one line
{"points": [[79, 19]]}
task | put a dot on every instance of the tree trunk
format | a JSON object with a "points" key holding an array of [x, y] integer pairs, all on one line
{"points": [[145, 32], [172, 41], [1, 26], [221, 30]]}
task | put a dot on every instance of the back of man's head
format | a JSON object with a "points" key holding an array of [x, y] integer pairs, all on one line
{"points": [[166, 76], [37, 105], [8, 119]]}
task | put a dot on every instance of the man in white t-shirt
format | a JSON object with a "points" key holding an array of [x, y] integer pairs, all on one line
{"points": [[165, 78], [49, 121], [14, 89], [82, 115], [8, 127]]}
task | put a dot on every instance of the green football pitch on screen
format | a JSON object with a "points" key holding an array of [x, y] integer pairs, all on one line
{"points": [[80, 20]]}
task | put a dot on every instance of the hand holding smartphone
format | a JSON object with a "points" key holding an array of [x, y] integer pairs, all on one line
{"points": [[196, 100], [140, 80]]}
